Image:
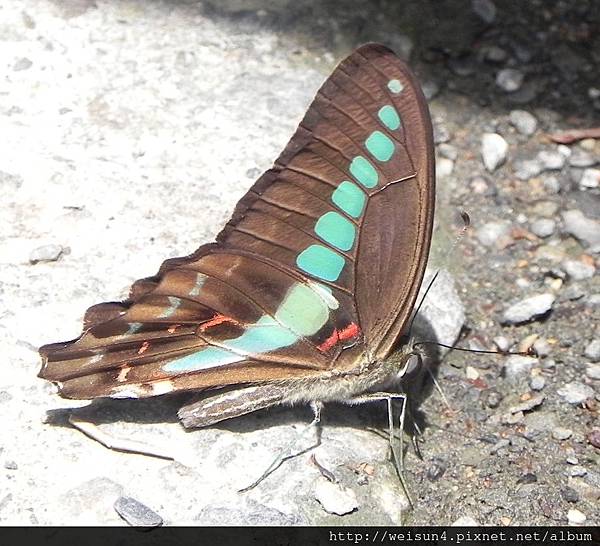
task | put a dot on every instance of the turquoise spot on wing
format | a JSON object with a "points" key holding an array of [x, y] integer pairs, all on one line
{"points": [[395, 86], [303, 310], [337, 230], [380, 146], [349, 198], [175, 302], [134, 328], [211, 357], [321, 262], [264, 336], [389, 117], [364, 172], [200, 280]]}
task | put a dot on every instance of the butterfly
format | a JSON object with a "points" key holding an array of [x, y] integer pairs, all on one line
{"points": [[307, 292]]}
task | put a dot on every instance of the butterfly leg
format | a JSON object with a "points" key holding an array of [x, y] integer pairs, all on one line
{"points": [[286, 453], [389, 397]]}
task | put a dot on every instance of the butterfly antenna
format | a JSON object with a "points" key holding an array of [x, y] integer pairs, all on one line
{"points": [[466, 224]]}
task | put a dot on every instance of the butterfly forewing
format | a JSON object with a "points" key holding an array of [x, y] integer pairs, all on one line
{"points": [[324, 253]]}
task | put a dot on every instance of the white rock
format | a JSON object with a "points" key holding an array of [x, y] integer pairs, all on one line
{"points": [[494, 150], [517, 367], [465, 521], [544, 227], [509, 79], [524, 122], [551, 160], [592, 350], [581, 227], [335, 498], [443, 167], [528, 309], [593, 371], [576, 392], [576, 517], [485, 9], [578, 270], [590, 179], [490, 233]]}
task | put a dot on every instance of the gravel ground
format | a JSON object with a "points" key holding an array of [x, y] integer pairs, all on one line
{"points": [[130, 129]]}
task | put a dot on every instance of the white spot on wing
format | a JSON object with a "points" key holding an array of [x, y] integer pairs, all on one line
{"points": [[325, 294]]}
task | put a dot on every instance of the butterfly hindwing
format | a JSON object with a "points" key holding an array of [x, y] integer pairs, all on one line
{"points": [[325, 252]]}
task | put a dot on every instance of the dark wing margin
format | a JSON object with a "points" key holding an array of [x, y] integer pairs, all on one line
{"points": [[181, 329]]}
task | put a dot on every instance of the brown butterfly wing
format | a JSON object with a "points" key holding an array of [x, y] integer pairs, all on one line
{"points": [[326, 251]]}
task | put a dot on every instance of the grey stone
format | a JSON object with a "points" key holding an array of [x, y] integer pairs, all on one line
{"points": [[441, 133], [136, 514], [592, 350], [527, 168], [495, 54], [593, 300], [577, 471], [494, 150], [516, 367], [552, 185], [528, 309], [466, 521], [443, 167], [560, 433], [251, 513], [524, 122], [489, 234], [551, 160], [585, 229], [485, 9], [503, 343], [431, 89], [22, 64], [46, 253], [335, 498], [528, 405], [590, 179], [576, 392], [592, 371], [544, 227], [537, 383], [582, 159], [541, 347], [578, 270], [448, 151], [509, 79]]}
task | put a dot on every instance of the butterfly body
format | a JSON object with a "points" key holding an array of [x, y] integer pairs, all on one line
{"points": [[308, 288]]}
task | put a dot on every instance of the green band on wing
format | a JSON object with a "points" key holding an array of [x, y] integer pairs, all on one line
{"points": [[349, 198], [303, 310], [364, 172], [389, 117], [321, 262], [380, 146], [336, 229]]}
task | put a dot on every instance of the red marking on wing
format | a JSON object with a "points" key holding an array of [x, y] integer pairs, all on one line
{"points": [[348, 332], [216, 320], [143, 348]]}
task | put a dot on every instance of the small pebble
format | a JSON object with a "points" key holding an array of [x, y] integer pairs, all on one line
{"points": [[593, 371], [572, 460], [430, 89], [509, 80], [491, 398], [569, 494], [576, 392], [542, 347], [527, 478], [440, 133], [528, 309], [577, 471], [448, 151], [517, 366], [46, 253], [592, 350], [436, 469], [551, 160], [585, 229], [590, 179], [494, 150], [22, 64], [489, 234], [524, 122], [11, 465], [537, 383], [544, 227], [443, 167], [594, 437], [136, 514], [582, 159], [560, 433], [578, 270], [576, 517], [528, 405], [527, 168], [485, 9], [552, 185], [495, 54], [503, 343], [335, 498]]}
